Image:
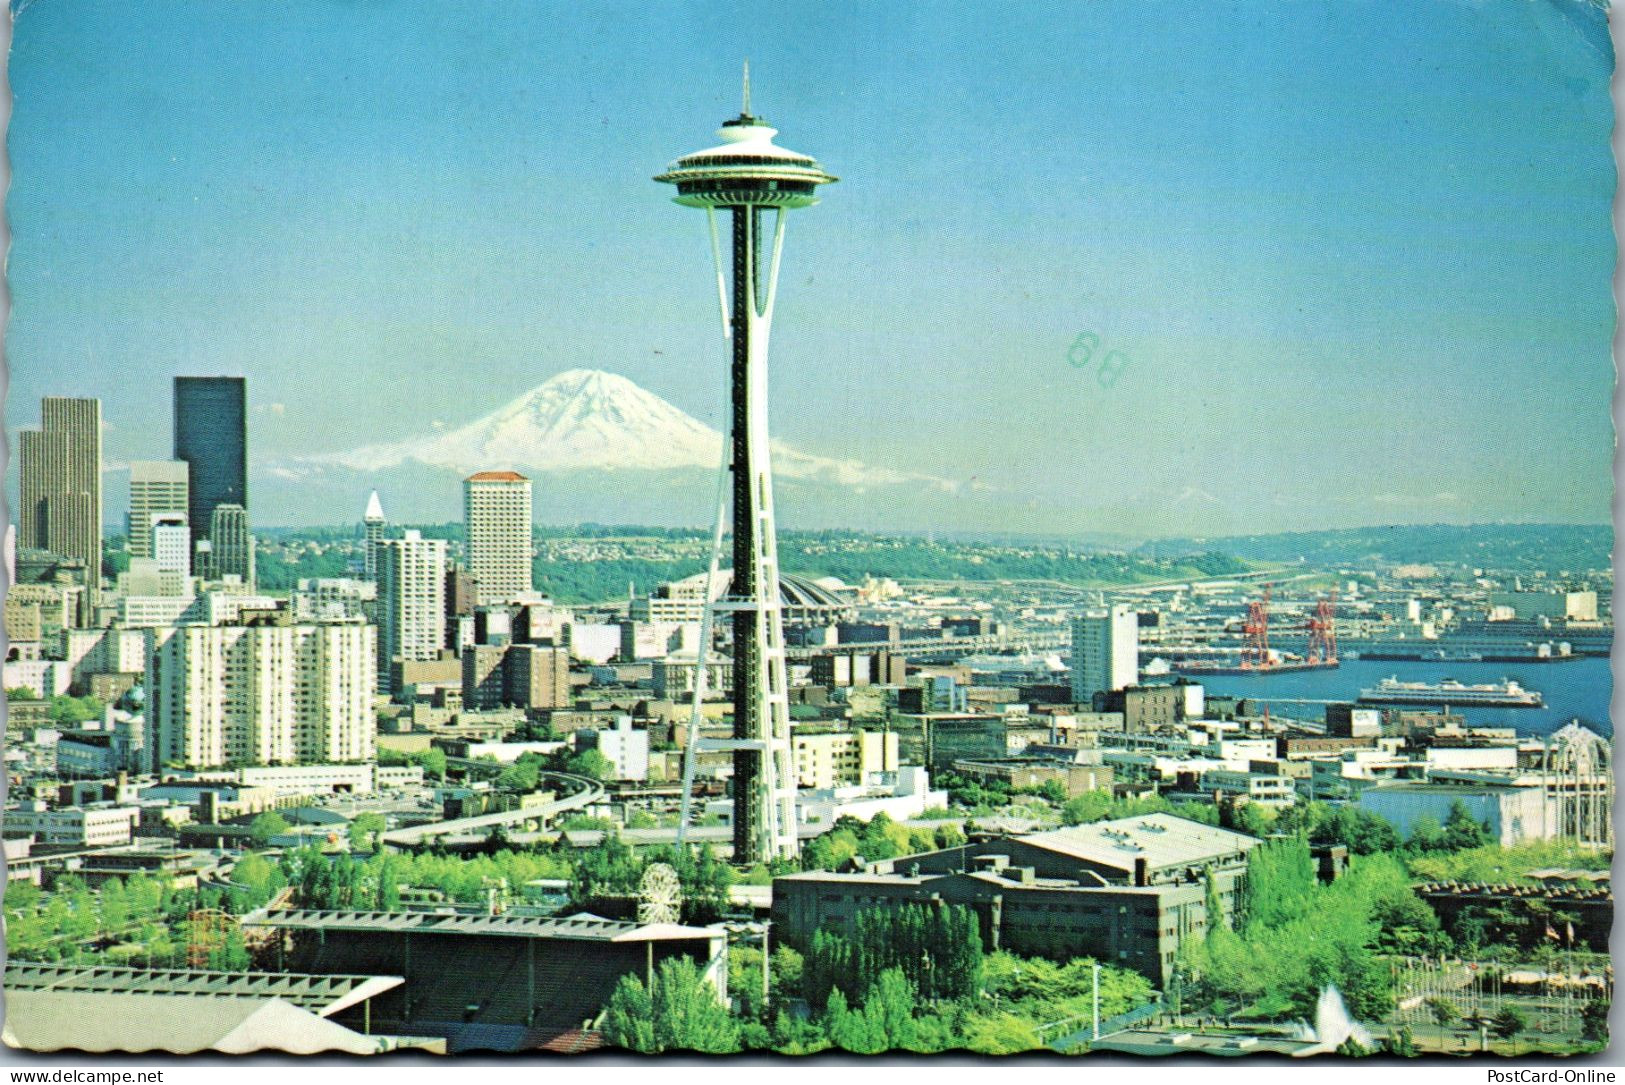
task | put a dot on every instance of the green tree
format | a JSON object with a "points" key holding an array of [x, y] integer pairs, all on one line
{"points": [[797, 1036], [1053, 791], [267, 825], [524, 774], [1426, 835], [629, 1017], [1445, 1012], [1461, 832], [681, 1013], [115, 909], [1001, 1034], [1085, 808], [1216, 919], [938, 949], [364, 830], [591, 763], [890, 1009], [1594, 1021], [1508, 1023], [1280, 881], [852, 1030], [788, 967], [433, 761], [745, 981], [71, 710], [831, 850]]}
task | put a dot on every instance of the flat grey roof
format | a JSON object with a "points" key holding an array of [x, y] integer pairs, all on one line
{"points": [[1161, 839], [322, 995], [583, 928]]}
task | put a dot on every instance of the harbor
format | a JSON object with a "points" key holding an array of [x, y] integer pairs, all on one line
{"points": [[1582, 690]]}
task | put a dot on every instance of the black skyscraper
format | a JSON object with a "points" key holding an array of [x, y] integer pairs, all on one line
{"points": [[211, 435]]}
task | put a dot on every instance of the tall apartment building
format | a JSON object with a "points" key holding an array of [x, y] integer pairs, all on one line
{"points": [[373, 526], [61, 486], [1105, 651], [231, 545], [497, 515], [211, 437], [411, 600], [261, 694], [157, 488]]}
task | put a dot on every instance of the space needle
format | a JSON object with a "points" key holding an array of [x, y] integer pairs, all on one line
{"points": [[747, 175]]}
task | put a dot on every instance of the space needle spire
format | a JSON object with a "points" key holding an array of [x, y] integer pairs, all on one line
{"points": [[747, 176]]}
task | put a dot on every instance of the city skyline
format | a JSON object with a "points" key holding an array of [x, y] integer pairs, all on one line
{"points": [[1379, 293]]}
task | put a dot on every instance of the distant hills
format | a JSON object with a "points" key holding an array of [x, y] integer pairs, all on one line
{"points": [[1534, 547]]}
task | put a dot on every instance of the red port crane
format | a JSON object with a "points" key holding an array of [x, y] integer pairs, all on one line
{"points": [[1255, 652], [1323, 632]]}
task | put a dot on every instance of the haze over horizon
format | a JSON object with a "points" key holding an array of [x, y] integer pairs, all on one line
{"points": [[1351, 289]]}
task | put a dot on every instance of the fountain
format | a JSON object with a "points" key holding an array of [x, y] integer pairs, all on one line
{"points": [[1333, 1026]]}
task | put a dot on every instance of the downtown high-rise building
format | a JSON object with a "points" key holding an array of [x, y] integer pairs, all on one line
{"points": [[1105, 651], [157, 488], [373, 526], [231, 544], [61, 486], [411, 601], [261, 694], [497, 517], [211, 437]]}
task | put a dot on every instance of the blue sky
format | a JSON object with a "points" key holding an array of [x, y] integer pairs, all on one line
{"points": [[1360, 265]]}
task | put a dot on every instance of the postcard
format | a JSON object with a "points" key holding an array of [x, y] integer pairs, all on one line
{"points": [[793, 529]]}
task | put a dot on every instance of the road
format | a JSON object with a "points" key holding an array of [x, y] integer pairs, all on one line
{"points": [[576, 793]]}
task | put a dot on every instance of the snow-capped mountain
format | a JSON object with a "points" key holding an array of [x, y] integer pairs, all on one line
{"points": [[586, 419]]}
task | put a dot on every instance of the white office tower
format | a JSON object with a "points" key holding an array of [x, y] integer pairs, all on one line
{"points": [[1105, 651], [171, 543], [496, 515], [261, 694], [374, 525], [157, 490], [411, 601]]}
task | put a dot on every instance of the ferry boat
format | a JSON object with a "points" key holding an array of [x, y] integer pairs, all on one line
{"points": [[1504, 694]]}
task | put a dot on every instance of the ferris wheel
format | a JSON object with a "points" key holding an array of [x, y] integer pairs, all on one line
{"points": [[660, 895]]}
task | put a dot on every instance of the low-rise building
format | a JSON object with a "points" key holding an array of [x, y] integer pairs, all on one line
{"points": [[1128, 892], [826, 759], [899, 795], [1264, 788], [625, 748], [1029, 773], [74, 826], [1514, 814]]}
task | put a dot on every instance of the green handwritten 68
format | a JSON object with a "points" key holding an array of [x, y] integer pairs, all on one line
{"points": [[1081, 354]]}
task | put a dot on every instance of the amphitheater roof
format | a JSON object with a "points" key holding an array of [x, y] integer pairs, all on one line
{"points": [[583, 928]]}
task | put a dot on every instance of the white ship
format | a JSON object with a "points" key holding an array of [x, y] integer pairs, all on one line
{"points": [[1504, 694]]}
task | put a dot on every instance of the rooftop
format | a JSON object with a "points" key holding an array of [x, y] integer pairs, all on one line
{"points": [[497, 476], [322, 995], [584, 928], [54, 1020], [1161, 839]]}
